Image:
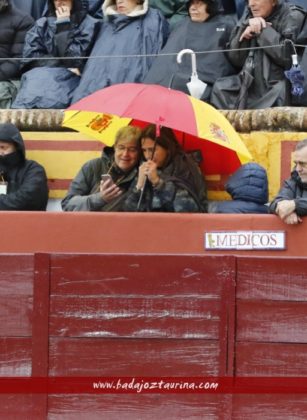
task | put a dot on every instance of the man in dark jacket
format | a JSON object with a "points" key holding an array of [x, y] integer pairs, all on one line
{"points": [[23, 182], [257, 45], [290, 204], [13, 27]]}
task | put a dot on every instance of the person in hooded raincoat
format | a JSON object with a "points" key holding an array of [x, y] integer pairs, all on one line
{"points": [[14, 24], [52, 55], [266, 23], [130, 28], [23, 182], [204, 29], [249, 190]]}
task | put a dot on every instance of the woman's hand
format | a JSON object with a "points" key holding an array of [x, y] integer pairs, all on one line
{"points": [[147, 169], [109, 191], [62, 12]]}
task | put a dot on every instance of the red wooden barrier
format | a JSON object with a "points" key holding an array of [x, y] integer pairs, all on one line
{"points": [[137, 233], [152, 315]]}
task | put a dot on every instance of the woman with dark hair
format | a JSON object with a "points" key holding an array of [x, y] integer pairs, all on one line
{"points": [[52, 55], [130, 35], [205, 29], [169, 180]]}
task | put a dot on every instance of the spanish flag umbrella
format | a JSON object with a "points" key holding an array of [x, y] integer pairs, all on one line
{"points": [[197, 125]]}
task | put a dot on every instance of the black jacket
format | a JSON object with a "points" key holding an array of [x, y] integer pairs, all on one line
{"points": [[293, 189], [26, 180], [268, 87], [13, 27], [215, 31]]}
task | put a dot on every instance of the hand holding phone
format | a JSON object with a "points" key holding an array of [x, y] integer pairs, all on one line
{"points": [[107, 177], [108, 189]]}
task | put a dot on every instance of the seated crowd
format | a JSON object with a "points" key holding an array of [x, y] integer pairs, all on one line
{"points": [[77, 47]]}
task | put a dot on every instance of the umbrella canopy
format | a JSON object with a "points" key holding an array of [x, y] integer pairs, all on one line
{"points": [[197, 125]]}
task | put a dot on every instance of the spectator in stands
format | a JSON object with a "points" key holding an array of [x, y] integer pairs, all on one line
{"points": [[248, 187], [129, 28], [267, 23], [290, 204], [204, 29], [53, 53], [169, 180], [13, 27], [89, 192], [23, 182]]}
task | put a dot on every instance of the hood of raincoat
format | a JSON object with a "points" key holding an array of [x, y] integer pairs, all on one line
{"points": [[9, 133], [109, 8], [249, 183]]}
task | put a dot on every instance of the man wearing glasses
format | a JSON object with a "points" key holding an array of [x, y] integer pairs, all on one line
{"points": [[290, 204]]}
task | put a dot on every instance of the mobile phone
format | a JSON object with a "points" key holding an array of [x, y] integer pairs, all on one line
{"points": [[106, 177]]}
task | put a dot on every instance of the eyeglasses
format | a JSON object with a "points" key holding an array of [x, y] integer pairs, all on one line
{"points": [[301, 164], [130, 149]]}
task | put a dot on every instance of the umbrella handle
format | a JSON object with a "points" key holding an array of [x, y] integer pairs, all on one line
{"points": [[193, 58]]}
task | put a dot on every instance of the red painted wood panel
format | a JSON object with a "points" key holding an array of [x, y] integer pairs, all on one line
{"points": [[268, 407], [271, 359], [16, 275], [272, 278], [16, 288], [15, 356], [272, 321], [19, 407], [15, 316], [143, 317], [132, 357], [140, 275], [139, 407]]}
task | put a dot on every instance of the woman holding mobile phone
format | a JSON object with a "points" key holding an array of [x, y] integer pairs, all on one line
{"points": [[102, 184]]}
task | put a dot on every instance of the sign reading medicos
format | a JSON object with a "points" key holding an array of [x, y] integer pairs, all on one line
{"points": [[243, 240]]}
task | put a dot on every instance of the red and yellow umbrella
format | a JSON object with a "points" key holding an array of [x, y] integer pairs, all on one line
{"points": [[198, 126]]}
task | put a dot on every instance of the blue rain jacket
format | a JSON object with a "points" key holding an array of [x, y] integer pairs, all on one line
{"points": [[47, 81], [142, 32], [248, 187]]}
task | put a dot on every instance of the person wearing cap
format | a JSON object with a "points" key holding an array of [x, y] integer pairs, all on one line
{"points": [[23, 182]]}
